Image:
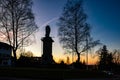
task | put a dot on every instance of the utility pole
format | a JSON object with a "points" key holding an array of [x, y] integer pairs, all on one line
{"points": [[87, 51]]}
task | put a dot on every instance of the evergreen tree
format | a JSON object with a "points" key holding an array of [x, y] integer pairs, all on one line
{"points": [[105, 58]]}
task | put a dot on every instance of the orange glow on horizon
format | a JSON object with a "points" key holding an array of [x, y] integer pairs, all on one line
{"points": [[58, 53], [91, 60]]}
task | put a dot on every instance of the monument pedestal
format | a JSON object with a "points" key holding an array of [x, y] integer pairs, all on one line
{"points": [[47, 57]]}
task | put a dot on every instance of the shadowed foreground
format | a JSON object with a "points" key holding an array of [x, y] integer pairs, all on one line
{"points": [[44, 73], [4, 78]]}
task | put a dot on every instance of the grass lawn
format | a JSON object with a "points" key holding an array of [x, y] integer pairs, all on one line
{"points": [[37, 73]]}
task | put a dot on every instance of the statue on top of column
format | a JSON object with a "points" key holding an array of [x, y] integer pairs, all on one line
{"points": [[47, 57], [47, 34]]}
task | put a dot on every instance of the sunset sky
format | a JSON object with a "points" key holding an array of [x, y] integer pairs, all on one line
{"points": [[103, 16]]}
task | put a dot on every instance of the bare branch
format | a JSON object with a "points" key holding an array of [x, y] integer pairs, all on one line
{"points": [[73, 28], [17, 20]]}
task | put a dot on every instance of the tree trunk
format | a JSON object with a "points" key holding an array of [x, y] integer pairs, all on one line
{"points": [[78, 59], [15, 57]]}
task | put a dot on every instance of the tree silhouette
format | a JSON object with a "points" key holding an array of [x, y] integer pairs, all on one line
{"points": [[67, 60], [27, 54], [17, 23], [105, 58], [116, 57], [74, 32]]}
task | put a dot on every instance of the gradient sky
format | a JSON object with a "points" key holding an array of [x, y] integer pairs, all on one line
{"points": [[103, 16]]}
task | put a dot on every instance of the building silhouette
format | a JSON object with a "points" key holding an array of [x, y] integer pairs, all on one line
{"points": [[5, 54]]}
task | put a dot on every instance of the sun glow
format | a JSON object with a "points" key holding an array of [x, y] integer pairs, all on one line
{"points": [[59, 54]]}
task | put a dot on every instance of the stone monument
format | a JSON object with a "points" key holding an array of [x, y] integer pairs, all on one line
{"points": [[47, 57]]}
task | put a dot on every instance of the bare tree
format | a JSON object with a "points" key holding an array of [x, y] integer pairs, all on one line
{"points": [[27, 54], [116, 56], [16, 22], [68, 60], [74, 32]]}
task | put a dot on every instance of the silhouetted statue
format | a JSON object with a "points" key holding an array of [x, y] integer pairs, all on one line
{"points": [[47, 57], [47, 31]]}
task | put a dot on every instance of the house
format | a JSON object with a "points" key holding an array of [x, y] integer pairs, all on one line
{"points": [[5, 54]]}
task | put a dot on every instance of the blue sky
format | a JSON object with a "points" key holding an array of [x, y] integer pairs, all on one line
{"points": [[103, 16]]}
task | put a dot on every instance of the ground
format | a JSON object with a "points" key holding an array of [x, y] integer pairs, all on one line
{"points": [[18, 73]]}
